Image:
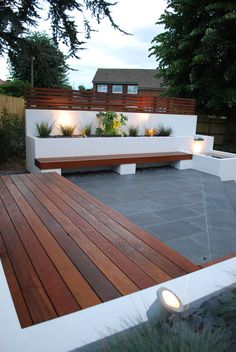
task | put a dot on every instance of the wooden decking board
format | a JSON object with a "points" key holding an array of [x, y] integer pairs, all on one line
{"points": [[93, 276], [178, 260], [89, 227], [60, 261], [165, 264], [25, 272], [114, 274], [58, 293], [62, 250], [20, 305]]}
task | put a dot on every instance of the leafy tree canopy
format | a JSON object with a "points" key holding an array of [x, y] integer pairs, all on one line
{"points": [[17, 16], [15, 88], [197, 53], [49, 63]]}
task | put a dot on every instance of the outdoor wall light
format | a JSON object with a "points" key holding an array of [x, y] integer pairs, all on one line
{"points": [[169, 300], [198, 145]]}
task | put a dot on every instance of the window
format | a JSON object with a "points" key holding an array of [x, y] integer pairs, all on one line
{"points": [[132, 90], [102, 88], [117, 89]]}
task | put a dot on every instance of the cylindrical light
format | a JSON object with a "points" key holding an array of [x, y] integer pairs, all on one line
{"points": [[169, 300]]}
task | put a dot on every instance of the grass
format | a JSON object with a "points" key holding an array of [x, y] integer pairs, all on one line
{"points": [[67, 131], [133, 131]]}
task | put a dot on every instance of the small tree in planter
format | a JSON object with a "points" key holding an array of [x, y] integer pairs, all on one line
{"points": [[110, 123]]}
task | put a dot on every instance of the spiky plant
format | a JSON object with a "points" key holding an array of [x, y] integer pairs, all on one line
{"points": [[133, 131], [149, 132], [163, 131], [86, 130], [67, 131], [44, 129]]}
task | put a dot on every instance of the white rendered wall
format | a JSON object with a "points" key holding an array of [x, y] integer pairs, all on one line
{"points": [[89, 325], [66, 147], [183, 125]]}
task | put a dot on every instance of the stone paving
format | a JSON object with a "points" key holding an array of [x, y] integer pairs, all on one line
{"points": [[191, 211]]}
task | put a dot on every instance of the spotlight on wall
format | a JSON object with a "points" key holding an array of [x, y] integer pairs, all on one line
{"points": [[169, 300], [198, 145]]}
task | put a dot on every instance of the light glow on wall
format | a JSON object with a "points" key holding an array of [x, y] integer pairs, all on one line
{"points": [[64, 118], [198, 146]]}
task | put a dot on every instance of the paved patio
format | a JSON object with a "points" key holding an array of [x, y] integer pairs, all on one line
{"points": [[193, 212]]}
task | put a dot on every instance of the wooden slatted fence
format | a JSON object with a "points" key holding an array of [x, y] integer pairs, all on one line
{"points": [[63, 99]]}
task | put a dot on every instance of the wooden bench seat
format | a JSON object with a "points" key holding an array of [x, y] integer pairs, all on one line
{"points": [[107, 160]]}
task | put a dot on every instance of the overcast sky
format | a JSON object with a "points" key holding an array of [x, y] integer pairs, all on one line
{"points": [[110, 48]]}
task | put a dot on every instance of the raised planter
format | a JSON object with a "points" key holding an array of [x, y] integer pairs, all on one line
{"points": [[216, 163], [71, 147]]}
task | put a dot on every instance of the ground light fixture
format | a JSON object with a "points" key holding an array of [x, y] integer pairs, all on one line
{"points": [[169, 300]]}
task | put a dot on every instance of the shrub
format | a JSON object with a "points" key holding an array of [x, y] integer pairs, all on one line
{"points": [[15, 88], [12, 136], [44, 129], [67, 131], [133, 131], [110, 123], [164, 131], [86, 130]]}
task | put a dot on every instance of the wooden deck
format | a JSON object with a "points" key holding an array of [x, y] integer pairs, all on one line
{"points": [[62, 250]]}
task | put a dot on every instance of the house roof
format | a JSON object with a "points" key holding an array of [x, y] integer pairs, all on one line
{"points": [[144, 78]]}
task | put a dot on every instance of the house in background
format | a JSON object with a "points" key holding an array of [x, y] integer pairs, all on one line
{"points": [[127, 81]]}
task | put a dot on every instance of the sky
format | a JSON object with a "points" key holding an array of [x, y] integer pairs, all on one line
{"points": [[108, 48]]}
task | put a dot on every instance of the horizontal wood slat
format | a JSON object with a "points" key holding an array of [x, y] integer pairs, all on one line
{"points": [[45, 98], [104, 160], [62, 250]]}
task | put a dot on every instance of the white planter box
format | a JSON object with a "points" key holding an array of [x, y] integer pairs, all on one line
{"points": [[221, 164], [69, 147]]}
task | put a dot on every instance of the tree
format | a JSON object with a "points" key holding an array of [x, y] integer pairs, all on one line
{"points": [[15, 88], [81, 87], [49, 63], [17, 16], [197, 53]]}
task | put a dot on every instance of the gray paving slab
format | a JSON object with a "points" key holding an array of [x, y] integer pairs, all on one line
{"points": [[193, 212]]}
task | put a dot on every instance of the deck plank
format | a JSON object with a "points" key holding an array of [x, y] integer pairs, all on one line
{"points": [[29, 282], [63, 250], [20, 305], [115, 275], [101, 286], [81, 290]]}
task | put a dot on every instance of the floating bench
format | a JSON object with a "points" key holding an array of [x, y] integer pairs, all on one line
{"points": [[127, 161]]}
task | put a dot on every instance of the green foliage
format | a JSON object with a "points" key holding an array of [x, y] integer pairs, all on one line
{"points": [[17, 16], [209, 328], [133, 131], [49, 64], [163, 131], [81, 87], [44, 129], [15, 88], [196, 53], [110, 124], [86, 130], [12, 136], [67, 131]]}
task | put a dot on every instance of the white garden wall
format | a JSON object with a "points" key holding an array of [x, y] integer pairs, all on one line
{"points": [[183, 125]]}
